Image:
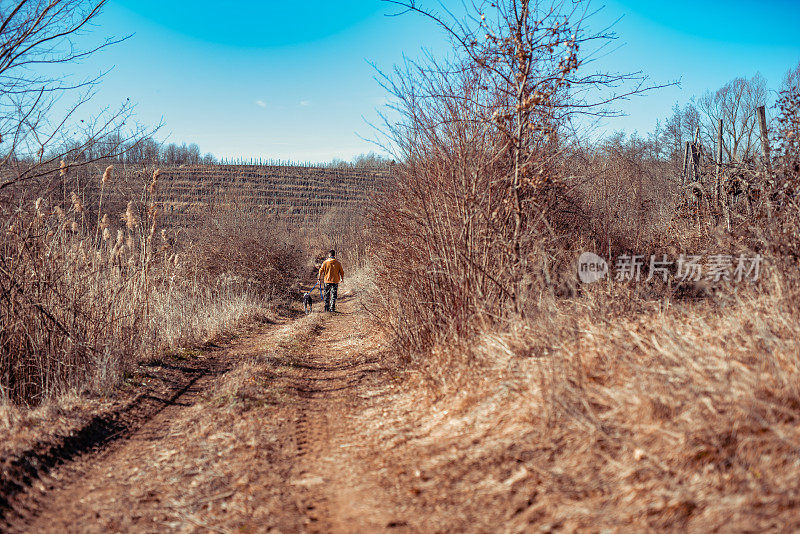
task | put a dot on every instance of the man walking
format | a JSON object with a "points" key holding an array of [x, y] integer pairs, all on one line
{"points": [[330, 275]]}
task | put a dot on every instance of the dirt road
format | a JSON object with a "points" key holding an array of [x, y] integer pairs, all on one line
{"points": [[271, 435]]}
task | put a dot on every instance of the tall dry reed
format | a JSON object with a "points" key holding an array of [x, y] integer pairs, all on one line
{"points": [[84, 298]]}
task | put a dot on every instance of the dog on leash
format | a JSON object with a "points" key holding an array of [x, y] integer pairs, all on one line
{"points": [[308, 303]]}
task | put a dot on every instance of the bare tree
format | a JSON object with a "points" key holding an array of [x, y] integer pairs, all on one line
{"points": [[479, 200], [791, 80], [679, 128], [735, 104], [39, 38]]}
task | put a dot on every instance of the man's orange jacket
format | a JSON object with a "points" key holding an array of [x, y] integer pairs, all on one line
{"points": [[331, 271]]}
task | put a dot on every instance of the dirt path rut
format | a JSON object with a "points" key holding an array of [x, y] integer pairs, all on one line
{"points": [[268, 437]]}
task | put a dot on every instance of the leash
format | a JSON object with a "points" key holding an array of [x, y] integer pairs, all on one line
{"points": [[315, 287]]}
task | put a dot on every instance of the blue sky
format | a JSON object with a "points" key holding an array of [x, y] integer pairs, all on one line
{"points": [[293, 80]]}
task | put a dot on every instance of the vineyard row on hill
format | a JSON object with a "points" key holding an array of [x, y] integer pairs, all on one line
{"points": [[186, 192]]}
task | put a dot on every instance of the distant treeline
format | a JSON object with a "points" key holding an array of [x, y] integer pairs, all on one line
{"points": [[147, 150]]}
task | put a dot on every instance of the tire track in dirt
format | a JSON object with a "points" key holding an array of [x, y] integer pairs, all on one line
{"points": [[39, 495], [149, 426], [327, 377], [27, 480], [288, 452], [312, 508]]}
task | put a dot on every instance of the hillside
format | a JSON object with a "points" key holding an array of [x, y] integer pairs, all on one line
{"points": [[187, 192], [294, 193]]}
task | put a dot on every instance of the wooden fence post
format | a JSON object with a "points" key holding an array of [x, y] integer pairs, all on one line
{"points": [[685, 163], [694, 169], [694, 154], [718, 192], [762, 125], [722, 196]]}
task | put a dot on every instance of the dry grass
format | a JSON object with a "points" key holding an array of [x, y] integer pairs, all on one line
{"points": [[531, 400], [615, 406], [87, 293], [585, 419]]}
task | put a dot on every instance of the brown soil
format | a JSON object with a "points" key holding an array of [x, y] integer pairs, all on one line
{"points": [[268, 434]]}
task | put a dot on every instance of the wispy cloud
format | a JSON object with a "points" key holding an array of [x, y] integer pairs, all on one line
{"points": [[305, 103], [261, 103]]}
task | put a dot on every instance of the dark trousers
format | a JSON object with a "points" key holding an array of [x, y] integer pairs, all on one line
{"points": [[331, 292]]}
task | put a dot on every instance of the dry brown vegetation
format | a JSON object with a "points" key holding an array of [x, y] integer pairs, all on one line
{"points": [[651, 404], [105, 266], [84, 302], [514, 395]]}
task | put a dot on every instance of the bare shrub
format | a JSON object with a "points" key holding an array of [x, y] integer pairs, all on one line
{"points": [[473, 231], [620, 404], [248, 250], [628, 193], [787, 136]]}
